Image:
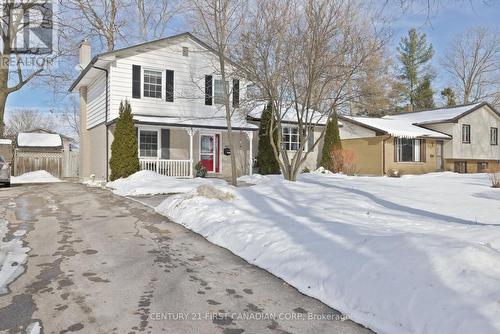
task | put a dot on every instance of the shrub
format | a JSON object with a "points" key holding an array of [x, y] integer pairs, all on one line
{"points": [[343, 161], [266, 161], [201, 170], [494, 174], [124, 156], [330, 143]]}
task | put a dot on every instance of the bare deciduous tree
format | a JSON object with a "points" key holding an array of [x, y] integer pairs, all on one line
{"points": [[22, 120], [473, 62], [218, 22], [13, 75], [303, 56], [155, 16]]}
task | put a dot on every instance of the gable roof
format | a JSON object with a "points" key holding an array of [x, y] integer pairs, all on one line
{"points": [[440, 115], [394, 127], [289, 115], [100, 56]]}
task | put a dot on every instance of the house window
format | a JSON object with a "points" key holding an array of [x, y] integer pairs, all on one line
{"points": [[494, 136], [219, 91], [482, 167], [185, 51], [290, 140], [466, 133], [407, 150], [152, 84], [460, 166], [148, 143]]}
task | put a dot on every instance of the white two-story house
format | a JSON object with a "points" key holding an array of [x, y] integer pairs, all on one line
{"points": [[176, 95]]}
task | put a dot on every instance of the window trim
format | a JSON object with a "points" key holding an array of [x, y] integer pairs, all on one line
{"points": [[143, 70], [158, 142], [306, 143], [493, 142], [467, 139]]}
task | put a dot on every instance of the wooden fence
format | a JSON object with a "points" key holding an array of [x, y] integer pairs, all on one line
{"points": [[31, 161]]}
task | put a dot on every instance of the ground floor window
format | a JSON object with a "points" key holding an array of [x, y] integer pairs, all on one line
{"points": [[482, 167], [148, 143], [408, 150], [460, 166], [290, 140]]}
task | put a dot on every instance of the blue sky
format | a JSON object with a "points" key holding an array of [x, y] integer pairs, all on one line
{"points": [[451, 18]]}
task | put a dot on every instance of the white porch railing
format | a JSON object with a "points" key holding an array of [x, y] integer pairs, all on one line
{"points": [[178, 168]]}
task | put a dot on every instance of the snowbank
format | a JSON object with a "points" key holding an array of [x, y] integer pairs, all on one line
{"points": [[254, 179], [12, 257], [416, 254], [39, 176], [150, 183]]}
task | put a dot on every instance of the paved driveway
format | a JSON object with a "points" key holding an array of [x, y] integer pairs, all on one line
{"points": [[100, 263]]}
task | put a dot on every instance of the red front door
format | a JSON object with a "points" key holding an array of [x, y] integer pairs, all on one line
{"points": [[209, 152]]}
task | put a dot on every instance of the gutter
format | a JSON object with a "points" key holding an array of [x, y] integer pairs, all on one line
{"points": [[106, 109]]}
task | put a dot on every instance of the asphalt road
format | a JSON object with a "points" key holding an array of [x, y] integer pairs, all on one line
{"points": [[100, 263]]}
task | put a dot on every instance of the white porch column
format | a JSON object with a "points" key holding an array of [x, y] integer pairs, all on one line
{"points": [[191, 133], [250, 141]]}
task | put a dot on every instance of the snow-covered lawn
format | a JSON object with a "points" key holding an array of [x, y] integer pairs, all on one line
{"points": [[418, 254], [39, 176]]}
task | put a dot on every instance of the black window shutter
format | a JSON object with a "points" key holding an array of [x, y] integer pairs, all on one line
{"points": [[236, 93], [208, 90], [169, 86], [136, 81], [165, 143]]}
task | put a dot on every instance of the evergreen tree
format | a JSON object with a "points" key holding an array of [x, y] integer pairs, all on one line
{"points": [[124, 158], [449, 95], [331, 142], [414, 53], [265, 156], [424, 95]]}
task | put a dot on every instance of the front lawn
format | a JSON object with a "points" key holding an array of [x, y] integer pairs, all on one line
{"points": [[418, 254]]}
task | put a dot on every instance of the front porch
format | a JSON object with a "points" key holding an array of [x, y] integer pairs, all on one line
{"points": [[174, 151]]}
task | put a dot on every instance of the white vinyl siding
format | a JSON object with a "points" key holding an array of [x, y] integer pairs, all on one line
{"points": [[189, 87], [96, 101]]}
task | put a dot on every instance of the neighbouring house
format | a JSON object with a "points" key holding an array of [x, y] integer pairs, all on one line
{"points": [[176, 94], [290, 134], [461, 139], [40, 149], [6, 150]]}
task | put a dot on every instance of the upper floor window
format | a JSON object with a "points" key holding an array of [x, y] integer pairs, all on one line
{"points": [[466, 133], [494, 136], [152, 84], [185, 51], [407, 150], [219, 91]]}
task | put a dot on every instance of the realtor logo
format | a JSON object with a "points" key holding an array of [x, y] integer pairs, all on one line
{"points": [[29, 25]]}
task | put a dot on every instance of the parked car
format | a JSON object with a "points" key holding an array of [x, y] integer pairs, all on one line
{"points": [[4, 172]]}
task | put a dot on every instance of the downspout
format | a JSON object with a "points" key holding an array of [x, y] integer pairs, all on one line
{"points": [[106, 118], [383, 155]]}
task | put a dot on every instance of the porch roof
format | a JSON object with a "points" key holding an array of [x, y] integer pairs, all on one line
{"points": [[195, 122]]}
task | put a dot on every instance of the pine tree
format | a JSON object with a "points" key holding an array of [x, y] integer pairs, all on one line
{"points": [[265, 156], [124, 158], [331, 142], [449, 95], [414, 54], [424, 95]]}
